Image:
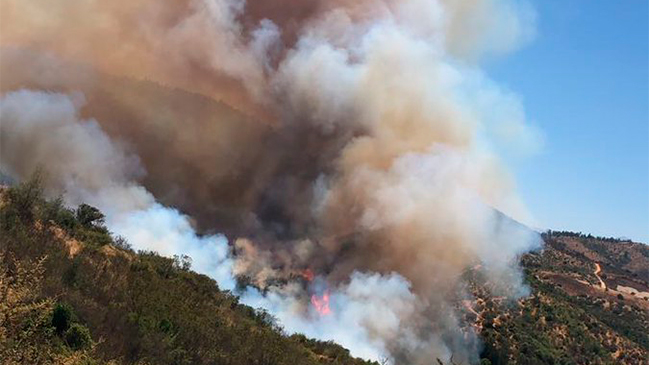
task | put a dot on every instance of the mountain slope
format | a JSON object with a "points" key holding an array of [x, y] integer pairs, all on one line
{"points": [[589, 305], [115, 305], [73, 294]]}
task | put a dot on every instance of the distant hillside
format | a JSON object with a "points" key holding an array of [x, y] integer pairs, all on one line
{"points": [[70, 293], [589, 305]]}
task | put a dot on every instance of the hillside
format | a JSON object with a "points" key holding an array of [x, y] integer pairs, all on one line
{"points": [[73, 294], [589, 305]]}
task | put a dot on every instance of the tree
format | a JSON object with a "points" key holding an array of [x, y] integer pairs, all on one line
{"points": [[90, 216]]}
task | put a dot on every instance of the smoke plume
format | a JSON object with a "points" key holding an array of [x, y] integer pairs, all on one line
{"points": [[337, 156]]}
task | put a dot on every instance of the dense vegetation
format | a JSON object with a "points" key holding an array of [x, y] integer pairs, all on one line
{"points": [[545, 329], [71, 293]]}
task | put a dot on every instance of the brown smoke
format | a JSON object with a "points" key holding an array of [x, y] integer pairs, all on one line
{"points": [[341, 136]]}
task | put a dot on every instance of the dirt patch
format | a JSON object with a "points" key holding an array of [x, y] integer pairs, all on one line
{"points": [[111, 251], [73, 246], [632, 291], [598, 269]]}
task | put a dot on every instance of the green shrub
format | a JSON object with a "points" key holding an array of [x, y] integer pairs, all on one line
{"points": [[78, 337], [26, 197], [55, 211], [61, 317], [121, 242], [165, 326], [94, 236]]}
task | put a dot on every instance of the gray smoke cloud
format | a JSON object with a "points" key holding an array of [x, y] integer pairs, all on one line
{"points": [[351, 140]]}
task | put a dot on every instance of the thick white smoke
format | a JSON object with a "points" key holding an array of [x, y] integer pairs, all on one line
{"points": [[367, 314], [78, 153], [352, 139], [43, 130], [40, 128]]}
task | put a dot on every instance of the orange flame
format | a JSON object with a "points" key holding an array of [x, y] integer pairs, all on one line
{"points": [[308, 274], [321, 304]]}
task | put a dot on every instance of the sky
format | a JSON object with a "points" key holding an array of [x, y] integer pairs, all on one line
{"points": [[584, 83]]}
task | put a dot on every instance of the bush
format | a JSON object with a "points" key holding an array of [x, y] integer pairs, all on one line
{"points": [[183, 262], [23, 201], [121, 242], [78, 337], [61, 317], [95, 236], [165, 326]]}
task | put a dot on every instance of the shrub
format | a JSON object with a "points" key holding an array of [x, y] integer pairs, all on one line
{"points": [[78, 337], [182, 262], [96, 236], [66, 220], [61, 317], [23, 201], [165, 326], [121, 242], [70, 275]]}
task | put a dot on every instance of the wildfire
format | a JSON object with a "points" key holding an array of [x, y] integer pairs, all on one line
{"points": [[308, 274], [321, 303]]}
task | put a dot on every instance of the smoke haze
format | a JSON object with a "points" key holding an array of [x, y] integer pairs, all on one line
{"points": [[354, 140]]}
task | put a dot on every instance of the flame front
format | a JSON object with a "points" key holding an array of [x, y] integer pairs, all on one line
{"points": [[321, 303]]}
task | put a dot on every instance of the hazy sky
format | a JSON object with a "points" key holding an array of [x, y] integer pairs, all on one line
{"points": [[584, 83]]}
